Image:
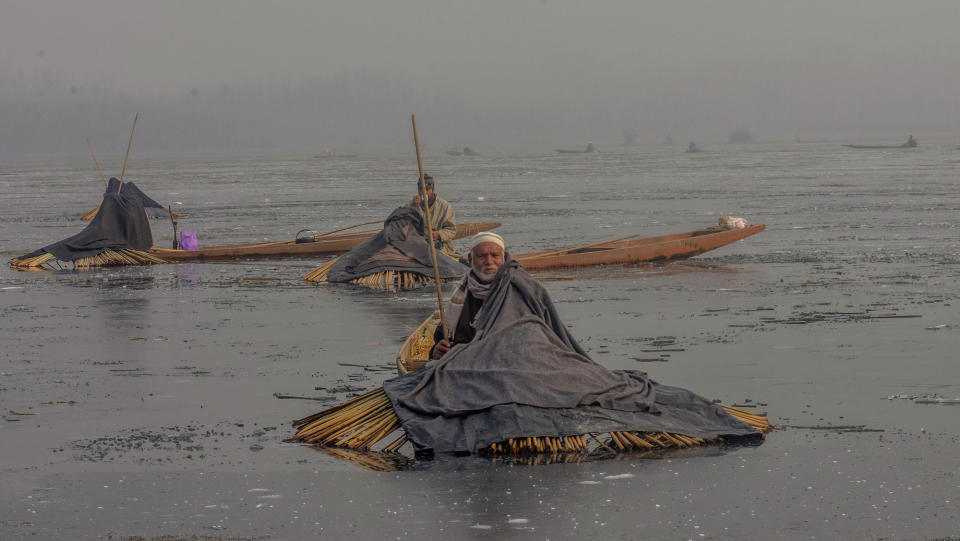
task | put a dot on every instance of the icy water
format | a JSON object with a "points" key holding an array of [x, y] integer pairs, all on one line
{"points": [[142, 403]]}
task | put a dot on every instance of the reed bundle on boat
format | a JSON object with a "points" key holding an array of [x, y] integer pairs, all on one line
{"points": [[364, 421], [103, 259], [391, 280]]}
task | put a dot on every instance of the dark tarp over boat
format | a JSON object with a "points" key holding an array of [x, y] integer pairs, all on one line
{"points": [[524, 375], [399, 249], [131, 190], [120, 230]]}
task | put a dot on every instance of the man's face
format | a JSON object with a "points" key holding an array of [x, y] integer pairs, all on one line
{"points": [[486, 258], [430, 192]]}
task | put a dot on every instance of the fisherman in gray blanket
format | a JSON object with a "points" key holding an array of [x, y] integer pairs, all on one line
{"points": [[487, 252], [512, 369]]}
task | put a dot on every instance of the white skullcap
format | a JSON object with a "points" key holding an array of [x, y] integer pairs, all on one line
{"points": [[487, 236]]}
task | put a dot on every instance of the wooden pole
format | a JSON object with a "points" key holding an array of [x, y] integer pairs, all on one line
{"points": [[129, 144], [433, 249], [89, 144], [174, 222], [327, 234]]}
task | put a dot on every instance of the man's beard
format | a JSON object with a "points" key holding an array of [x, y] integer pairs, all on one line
{"points": [[484, 277]]}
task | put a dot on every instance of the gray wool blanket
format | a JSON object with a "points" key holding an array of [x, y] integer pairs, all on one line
{"points": [[400, 247], [524, 375]]}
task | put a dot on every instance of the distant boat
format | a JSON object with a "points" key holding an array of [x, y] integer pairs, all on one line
{"points": [[911, 143], [467, 151], [590, 148], [693, 147]]}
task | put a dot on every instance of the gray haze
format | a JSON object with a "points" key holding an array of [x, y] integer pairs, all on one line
{"points": [[232, 76]]}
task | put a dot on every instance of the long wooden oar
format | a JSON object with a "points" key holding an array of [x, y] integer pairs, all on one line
{"points": [[328, 233], [319, 237], [92, 213], [426, 206], [89, 144], [129, 144]]}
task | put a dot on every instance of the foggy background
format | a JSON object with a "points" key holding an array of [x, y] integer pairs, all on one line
{"points": [[304, 76]]}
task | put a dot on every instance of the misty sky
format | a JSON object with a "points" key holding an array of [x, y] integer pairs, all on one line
{"points": [[234, 75]]}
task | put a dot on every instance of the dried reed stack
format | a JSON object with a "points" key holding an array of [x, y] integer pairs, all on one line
{"points": [[104, 259], [364, 421], [391, 280]]}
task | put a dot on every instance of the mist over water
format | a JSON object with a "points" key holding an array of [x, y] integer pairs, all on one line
{"points": [[240, 76]]}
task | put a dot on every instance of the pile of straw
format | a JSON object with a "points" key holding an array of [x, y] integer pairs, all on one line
{"points": [[103, 259], [364, 421], [390, 280]]}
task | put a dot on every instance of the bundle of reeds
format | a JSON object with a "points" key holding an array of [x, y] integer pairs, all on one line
{"points": [[103, 259], [319, 274], [391, 280], [362, 422]]}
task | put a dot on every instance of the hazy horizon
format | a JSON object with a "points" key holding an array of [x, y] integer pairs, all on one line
{"points": [[231, 76]]}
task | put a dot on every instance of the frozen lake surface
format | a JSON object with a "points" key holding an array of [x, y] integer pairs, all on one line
{"points": [[143, 401]]}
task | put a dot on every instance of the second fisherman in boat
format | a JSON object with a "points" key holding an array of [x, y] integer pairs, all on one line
{"points": [[487, 254], [442, 219]]}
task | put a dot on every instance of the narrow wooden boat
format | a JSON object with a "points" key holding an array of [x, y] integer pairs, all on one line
{"points": [[415, 351], [627, 250], [324, 245]]}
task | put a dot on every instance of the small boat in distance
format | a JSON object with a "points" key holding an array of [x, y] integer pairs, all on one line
{"points": [[693, 147], [911, 143], [467, 151], [590, 148]]}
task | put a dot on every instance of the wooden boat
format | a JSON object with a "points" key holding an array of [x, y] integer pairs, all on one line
{"points": [[323, 245], [415, 351], [627, 250]]}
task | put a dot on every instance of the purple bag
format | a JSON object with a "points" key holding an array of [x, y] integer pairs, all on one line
{"points": [[188, 240]]}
